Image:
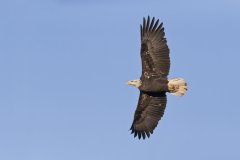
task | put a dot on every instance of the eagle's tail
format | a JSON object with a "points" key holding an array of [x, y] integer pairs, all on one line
{"points": [[177, 86]]}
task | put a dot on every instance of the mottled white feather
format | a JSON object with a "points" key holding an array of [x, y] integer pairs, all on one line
{"points": [[177, 86]]}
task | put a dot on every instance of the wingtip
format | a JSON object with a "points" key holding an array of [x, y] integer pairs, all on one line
{"points": [[141, 135], [135, 134], [144, 20], [148, 134]]}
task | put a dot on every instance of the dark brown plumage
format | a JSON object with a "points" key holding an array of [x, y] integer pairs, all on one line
{"points": [[149, 111], [154, 82], [154, 49]]}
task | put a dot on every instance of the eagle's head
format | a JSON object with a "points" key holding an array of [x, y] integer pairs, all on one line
{"points": [[137, 83]]}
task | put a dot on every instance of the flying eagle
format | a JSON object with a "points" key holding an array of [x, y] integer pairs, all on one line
{"points": [[153, 83]]}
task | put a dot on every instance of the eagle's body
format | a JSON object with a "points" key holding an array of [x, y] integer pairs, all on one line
{"points": [[154, 82]]}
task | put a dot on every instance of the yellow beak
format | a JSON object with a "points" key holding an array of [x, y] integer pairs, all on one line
{"points": [[129, 83]]}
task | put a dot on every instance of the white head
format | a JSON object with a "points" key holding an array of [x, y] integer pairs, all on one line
{"points": [[137, 83]]}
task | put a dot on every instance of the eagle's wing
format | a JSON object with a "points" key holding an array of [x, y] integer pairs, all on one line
{"points": [[154, 49], [149, 111]]}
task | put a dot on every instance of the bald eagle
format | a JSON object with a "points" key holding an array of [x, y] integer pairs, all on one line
{"points": [[153, 84]]}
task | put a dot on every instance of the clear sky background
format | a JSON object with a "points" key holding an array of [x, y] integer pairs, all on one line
{"points": [[64, 65]]}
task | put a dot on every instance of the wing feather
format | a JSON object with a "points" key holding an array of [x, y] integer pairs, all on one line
{"points": [[151, 25], [154, 49], [149, 111], [155, 26], [148, 21]]}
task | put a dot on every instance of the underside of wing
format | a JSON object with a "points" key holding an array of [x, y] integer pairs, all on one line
{"points": [[149, 111], [154, 49]]}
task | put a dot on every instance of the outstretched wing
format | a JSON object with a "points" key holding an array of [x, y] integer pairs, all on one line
{"points": [[149, 111], [154, 49]]}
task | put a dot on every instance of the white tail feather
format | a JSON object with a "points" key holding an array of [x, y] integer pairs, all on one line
{"points": [[177, 86]]}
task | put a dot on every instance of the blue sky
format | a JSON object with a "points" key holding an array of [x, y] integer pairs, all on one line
{"points": [[64, 66]]}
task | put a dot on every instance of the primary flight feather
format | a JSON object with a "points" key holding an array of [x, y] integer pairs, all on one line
{"points": [[153, 83]]}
